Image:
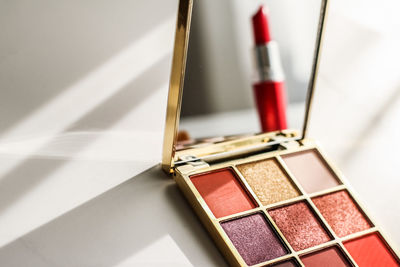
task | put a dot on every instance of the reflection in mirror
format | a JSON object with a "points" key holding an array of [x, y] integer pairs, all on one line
{"points": [[234, 72]]}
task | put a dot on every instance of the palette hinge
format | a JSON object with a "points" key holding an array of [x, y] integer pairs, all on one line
{"points": [[192, 162], [289, 144]]}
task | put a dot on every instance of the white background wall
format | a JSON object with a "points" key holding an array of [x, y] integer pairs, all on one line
{"points": [[82, 84]]}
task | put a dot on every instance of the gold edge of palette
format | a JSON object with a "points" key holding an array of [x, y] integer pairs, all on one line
{"points": [[226, 246]]}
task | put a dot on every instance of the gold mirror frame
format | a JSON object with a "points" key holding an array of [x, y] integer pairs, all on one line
{"points": [[177, 79]]}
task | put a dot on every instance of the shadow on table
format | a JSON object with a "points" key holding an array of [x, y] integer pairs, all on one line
{"points": [[114, 226], [34, 170]]}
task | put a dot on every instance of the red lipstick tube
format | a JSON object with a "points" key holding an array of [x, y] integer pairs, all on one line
{"points": [[269, 91]]}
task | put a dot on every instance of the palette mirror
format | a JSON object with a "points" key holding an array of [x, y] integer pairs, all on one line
{"points": [[223, 66]]}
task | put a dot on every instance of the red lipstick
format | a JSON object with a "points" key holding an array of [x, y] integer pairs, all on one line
{"points": [[269, 91], [261, 27]]}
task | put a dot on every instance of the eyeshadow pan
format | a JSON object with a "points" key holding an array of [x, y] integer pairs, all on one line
{"points": [[310, 170], [342, 214], [299, 226], [371, 250], [268, 181], [222, 192], [331, 256], [254, 239]]}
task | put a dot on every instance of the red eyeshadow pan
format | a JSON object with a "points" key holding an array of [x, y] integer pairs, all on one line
{"points": [[332, 256], [371, 250], [222, 192]]}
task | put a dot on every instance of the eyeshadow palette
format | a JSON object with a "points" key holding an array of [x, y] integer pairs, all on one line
{"points": [[286, 207], [267, 198]]}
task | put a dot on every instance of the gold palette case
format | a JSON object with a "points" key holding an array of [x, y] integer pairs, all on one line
{"points": [[185, 163]]}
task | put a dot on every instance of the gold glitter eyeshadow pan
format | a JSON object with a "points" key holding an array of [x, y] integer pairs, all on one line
{"points": [[273, 198]]}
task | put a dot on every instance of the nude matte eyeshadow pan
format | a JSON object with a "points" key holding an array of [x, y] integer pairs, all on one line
{"points": [[222, 192], [310, 170]]}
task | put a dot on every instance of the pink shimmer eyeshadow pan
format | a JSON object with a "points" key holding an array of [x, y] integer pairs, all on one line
{"points": [[341, 213], [299, 226]]}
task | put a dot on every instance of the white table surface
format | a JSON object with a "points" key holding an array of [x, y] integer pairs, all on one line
{"points": [[80, 180]]}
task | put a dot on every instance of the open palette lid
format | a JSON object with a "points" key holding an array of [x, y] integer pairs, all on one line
{"points": [[214, 68]]}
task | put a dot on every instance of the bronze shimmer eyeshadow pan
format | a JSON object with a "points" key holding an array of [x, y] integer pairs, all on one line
{"points": [[299, 226], [254, 239], [268, 181], [309, 168], [222, 192], [341, 213]]}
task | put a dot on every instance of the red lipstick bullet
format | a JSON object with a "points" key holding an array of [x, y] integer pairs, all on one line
{"points": [[269, 91]]}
